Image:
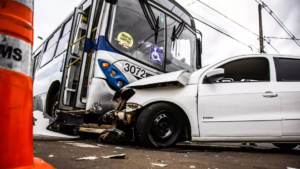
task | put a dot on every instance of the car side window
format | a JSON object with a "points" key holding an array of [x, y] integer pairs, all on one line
{"points": [[247, 70], [289, 69]]}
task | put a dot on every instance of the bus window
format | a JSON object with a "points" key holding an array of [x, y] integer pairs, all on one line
{"points": [[36, 63], [181, 53], [63, 42], [67, 27], [50, 48], [53, 40], [131, 33], [166, 3], [48, 55], [182, 15]]}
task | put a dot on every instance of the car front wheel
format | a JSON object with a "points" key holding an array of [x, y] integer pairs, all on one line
{"points": [[159, 125]]}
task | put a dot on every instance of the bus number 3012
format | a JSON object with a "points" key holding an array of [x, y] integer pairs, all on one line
{"points": [[134, 70]]}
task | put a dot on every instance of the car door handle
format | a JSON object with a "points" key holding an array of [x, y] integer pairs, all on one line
{"points": [[270, 94]]}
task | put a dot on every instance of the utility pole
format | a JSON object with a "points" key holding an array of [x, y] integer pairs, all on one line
{"points": [[261, 39]]}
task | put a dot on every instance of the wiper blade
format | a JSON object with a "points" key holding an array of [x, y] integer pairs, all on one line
{"points": [[149, 15], [177, 31]]}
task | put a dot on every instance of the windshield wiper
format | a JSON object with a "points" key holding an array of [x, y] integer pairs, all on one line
{"points": [[177, 31], [149, 15]]}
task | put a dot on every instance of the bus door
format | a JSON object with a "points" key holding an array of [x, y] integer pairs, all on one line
{"points": [[76, 64]]}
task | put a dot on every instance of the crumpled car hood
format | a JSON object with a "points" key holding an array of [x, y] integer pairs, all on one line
{"points": [[181, 77]]}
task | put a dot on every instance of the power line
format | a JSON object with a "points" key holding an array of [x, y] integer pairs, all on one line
{"points": [[251, 47], [227, 17], [208, 22], [39, 26], [269, 43], [278, 21], [270, 37]]}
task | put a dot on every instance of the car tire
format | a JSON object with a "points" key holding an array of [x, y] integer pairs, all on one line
{"points": [[285, 146], [159, 125]]}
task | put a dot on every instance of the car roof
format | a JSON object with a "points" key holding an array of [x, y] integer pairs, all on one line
{"points": [[269, 55]]}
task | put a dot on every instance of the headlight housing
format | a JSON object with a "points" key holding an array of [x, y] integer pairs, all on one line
{"points": [[130, 107], [113, 73], [114, 76]]}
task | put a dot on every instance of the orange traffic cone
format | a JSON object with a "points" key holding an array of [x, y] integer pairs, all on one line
{"points": [[16, 40]]}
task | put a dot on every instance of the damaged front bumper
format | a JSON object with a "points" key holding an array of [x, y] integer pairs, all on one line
{"points": [[111, 126], [126, 115]]}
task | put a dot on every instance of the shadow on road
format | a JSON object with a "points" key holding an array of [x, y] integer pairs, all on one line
{"points": [[184, 148], [207, 147]]}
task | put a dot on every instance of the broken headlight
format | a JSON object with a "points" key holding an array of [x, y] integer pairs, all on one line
{"points": [[130, 107]]}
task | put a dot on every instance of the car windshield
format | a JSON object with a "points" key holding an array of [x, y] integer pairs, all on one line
{"points": [[131, 34]]}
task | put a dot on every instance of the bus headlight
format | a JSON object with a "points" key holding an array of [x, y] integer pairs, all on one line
{"points": [[120, 83], [114, 76], [113, 73]]}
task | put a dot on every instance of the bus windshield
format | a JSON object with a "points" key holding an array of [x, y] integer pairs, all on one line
{"points": [[131, 34]]}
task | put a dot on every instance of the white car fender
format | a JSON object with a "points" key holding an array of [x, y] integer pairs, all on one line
{"points": [[183, 96]]}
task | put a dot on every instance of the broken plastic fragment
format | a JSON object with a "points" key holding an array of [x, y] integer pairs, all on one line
{"points": [[87, 158], [115, 156], [120, 148], [51, 155], [192, 167], [80, 144], [157, 164]]}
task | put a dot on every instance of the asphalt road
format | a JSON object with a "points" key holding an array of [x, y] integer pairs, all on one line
{"points": [[206, 156]]}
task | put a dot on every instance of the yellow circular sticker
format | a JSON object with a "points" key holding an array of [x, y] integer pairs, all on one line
{"points": [[125, 40]]}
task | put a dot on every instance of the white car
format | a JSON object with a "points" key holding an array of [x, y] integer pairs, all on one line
{"points": [[249, 98]]}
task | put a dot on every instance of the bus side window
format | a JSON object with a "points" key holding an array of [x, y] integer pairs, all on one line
{"points": [[36, 63], [50, 48], [63, 42]]}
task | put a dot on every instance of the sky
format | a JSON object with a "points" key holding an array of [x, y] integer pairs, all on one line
{"points": [[50, 13]]}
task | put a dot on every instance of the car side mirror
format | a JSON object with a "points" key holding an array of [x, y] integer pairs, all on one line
{"points": [[214, 75]]}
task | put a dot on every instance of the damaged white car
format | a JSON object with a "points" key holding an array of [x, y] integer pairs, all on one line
{"points": [[249, 98]]}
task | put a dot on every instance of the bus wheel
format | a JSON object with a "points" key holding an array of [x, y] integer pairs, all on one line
{"points": [[286, 146], [54, 106], [159, 125]]}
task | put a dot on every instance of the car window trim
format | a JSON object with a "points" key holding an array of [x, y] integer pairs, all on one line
{"points": [[279, 77], [222, 62]]}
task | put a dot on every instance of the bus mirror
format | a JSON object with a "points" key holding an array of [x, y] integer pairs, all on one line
{"points": [[111, 1]]}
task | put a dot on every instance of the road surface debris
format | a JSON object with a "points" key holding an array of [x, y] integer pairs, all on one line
{"points": [[115, 156]]}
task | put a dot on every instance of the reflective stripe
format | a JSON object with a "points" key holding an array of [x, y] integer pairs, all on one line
{"points": [[15, 55], [28, 3]]}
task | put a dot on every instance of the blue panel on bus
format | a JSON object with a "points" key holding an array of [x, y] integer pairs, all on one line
{"points": [[113, 81], [88, 45], [103, 45]]}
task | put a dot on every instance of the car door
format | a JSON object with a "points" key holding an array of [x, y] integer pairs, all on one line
{"points": [[245, 104], [288, 77]]}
